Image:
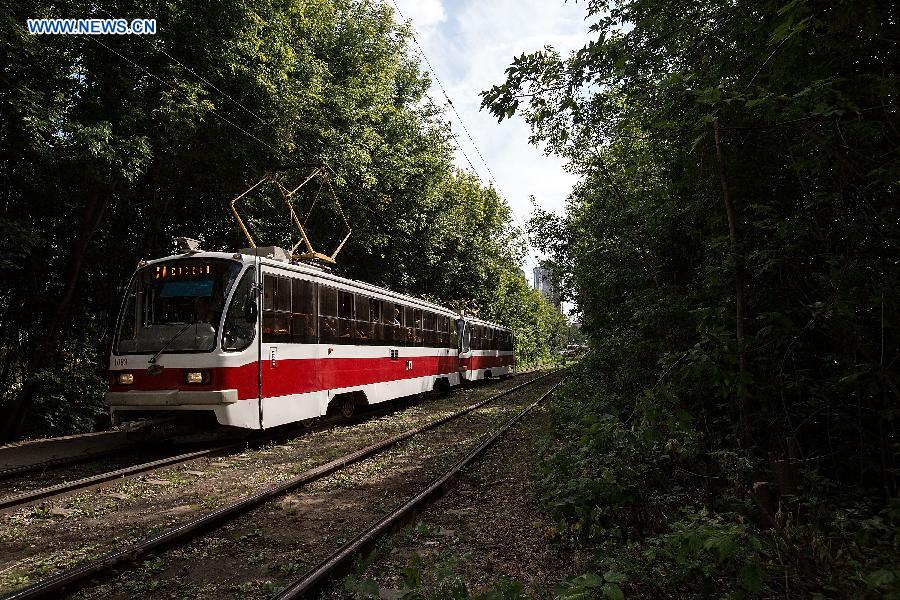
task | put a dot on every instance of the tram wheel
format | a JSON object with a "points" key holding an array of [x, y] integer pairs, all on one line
{"points": [[347, 407]]}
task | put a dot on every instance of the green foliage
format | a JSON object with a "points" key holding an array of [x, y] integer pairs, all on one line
{"points": [[539, 328], [360, 588], [712, 550], [731, 155], [591, 585], [443, 582], [70, 400]]}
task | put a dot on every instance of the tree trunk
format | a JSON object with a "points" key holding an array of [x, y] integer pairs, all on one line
{"points": [[738, 275], [48, 348]]}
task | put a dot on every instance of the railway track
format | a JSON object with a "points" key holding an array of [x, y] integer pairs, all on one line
{"points": [[186, 531], [22, 458], [340, 561], [17, 500], [84, 483]]}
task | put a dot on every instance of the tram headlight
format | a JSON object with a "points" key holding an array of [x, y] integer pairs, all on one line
{"points": [[125, 378], [196, 377]]}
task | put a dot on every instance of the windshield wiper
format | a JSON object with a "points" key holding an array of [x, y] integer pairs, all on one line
{"points": [[166, 345]]}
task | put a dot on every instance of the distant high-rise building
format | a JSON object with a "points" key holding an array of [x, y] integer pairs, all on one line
{"points": [[543, 282]]}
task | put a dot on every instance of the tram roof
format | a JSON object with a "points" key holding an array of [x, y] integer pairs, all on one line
{"points": [[322, 274]]}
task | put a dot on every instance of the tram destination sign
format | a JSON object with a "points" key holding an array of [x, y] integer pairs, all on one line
{"points": [[181, 272]]}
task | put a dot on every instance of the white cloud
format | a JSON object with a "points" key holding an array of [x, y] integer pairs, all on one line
{"points": [[426, 15], [470, 44]]}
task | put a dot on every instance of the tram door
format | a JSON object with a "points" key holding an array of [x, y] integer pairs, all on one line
{"points": [[240, 339], [465, 351]]}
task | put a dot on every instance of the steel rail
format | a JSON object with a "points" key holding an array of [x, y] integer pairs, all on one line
{"points": [[63, 488], [55, 583], [73, 458], [340, 560], [54, 463], [86, 482]]}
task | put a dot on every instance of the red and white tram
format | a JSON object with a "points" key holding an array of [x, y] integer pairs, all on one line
{"points": [[192, 337]]}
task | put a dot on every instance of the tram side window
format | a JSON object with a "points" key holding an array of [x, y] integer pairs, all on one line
{"points": [[444, 335], [327, 314], [303, 307], [269, 285], [393, 323], [452, 339], [276, 322], [442, 332], [409, 334], [377, 327], [428, 328], [239, 330], [362, 327], [345, 317]]}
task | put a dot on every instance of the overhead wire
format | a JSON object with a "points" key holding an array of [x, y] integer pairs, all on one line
{"points": [[440, 83], [492, 178]]}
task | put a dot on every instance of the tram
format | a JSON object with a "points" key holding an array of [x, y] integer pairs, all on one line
{"points": [[261, 341]]}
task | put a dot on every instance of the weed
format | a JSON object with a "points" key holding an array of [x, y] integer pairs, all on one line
{"points": [[154, 564]]}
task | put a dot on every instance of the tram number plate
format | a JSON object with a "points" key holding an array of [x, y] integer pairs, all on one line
{"points": [[409, 365], [273, 356]]}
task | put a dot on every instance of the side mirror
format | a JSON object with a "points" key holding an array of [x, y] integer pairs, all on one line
{"points": [[250, 313]]}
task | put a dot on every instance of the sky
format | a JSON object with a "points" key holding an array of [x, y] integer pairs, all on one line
{"points": [[469, 44]]}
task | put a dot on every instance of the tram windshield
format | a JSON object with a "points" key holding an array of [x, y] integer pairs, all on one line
{"points": [[175, 305]]}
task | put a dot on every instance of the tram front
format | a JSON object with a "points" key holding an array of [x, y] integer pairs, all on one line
{"points": [[184, 340]]}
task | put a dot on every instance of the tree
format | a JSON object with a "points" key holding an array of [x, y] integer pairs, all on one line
{"points": [[732, 239]]}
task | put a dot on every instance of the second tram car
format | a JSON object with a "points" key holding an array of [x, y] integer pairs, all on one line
{"points": [[261, 341]]}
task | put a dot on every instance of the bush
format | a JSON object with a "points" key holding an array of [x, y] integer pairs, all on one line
{"points": [[672, 510]]}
